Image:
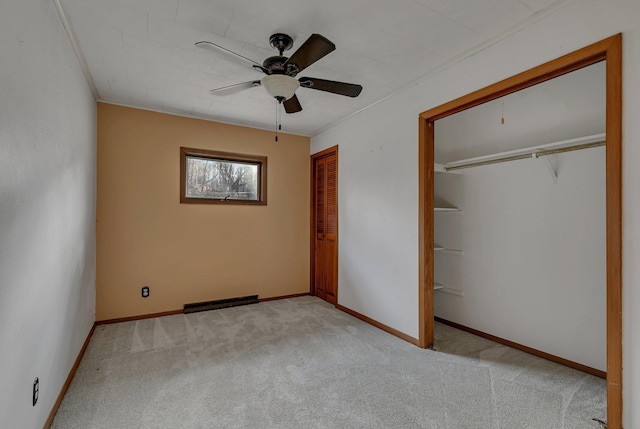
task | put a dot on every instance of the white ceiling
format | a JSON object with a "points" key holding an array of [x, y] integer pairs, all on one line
{"points": [[141, 53]]}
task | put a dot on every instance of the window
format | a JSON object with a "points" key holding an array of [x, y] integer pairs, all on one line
{"points": [[209, 177]]}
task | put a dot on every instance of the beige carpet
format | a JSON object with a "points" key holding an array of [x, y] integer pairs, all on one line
{"points": [[300, 363]]}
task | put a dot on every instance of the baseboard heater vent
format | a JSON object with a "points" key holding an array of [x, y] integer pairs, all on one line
{"points": [[221, 303]]}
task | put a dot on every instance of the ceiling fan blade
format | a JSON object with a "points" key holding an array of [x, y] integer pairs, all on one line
{"points": [[348, 89], [292, 105], [232, 89], [314, 48], [217, 49]]}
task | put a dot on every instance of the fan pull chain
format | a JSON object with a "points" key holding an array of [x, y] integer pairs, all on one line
{"points": [[278, 115], [277, 111]]}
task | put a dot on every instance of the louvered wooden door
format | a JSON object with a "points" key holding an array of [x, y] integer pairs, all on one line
{"points": [[325, 197]]}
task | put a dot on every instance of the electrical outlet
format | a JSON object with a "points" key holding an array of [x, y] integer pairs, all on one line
{"points": [[145, 291], [36, 390]]}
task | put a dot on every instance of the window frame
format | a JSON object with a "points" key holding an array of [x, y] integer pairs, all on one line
{"points": [[260, 161]]}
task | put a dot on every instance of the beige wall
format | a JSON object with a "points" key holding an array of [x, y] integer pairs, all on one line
{"points": [[191, 252]]}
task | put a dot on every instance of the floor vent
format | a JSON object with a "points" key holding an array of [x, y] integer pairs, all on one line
{"points": [[221, 303]]}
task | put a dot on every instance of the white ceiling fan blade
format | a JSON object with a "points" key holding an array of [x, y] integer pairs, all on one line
{"points": [[232, 89], [217, 49]]}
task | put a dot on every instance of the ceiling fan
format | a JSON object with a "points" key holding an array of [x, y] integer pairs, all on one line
{"points": [[280, 80]]}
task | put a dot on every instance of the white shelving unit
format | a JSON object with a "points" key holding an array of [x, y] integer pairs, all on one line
{"points": [[440, 249]]}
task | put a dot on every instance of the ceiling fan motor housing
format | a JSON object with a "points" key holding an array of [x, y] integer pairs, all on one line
{"points": [[275, 64]]}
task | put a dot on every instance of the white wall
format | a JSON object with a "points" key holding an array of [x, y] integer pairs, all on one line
{"points": [[382, 250], [47, 210], [533, 268], [631, 230]]}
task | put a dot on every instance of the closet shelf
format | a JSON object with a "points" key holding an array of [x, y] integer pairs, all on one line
{"points": [[450, 291], [440, 249]]}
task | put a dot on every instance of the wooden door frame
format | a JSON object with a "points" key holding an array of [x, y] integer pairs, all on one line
{"points": [[312, 248], [609, 49]]}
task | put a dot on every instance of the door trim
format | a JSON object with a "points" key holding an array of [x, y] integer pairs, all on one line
{"points": [[312, 248], [609, 49]]}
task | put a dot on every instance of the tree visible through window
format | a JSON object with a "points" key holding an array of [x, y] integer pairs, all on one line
{"points": [[208, 178], [220, 177]]}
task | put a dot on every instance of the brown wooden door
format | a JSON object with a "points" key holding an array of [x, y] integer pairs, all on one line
{"points": [[325, 227]]}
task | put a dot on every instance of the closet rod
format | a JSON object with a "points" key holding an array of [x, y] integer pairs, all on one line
{"points": [[534, 152]]}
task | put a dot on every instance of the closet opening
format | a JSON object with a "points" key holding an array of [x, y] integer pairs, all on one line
{"points": [[520, 213]]}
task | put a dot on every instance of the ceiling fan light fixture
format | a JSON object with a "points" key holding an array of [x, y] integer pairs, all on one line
{"points": [[280, 85]]}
